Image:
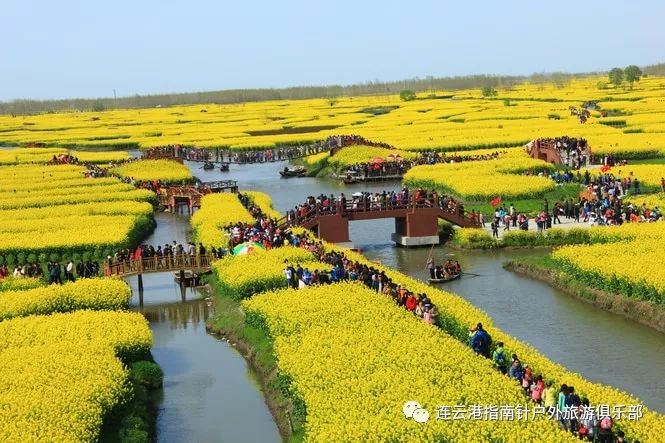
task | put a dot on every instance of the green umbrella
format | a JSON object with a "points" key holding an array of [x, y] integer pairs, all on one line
{"points": [[247, 248]]}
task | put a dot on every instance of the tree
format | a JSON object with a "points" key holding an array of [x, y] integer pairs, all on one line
{"points": [[616, 76], [98, 106], [489, 91], [633, 74], [407, 95]]}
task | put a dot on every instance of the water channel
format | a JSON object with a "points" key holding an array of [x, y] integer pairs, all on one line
{"points": [[209, 393]]}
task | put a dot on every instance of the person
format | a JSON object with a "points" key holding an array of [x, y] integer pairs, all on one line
{"points": [[495, 228], [427, 314], [556, 210], [516, 371], [537, 389], [54, 274], [549, 396], [605, 434], [526, 380], [561, 405], [288, 275], [481, 341], [430, 266], [411, 302], [499, 358], [572, 401], [588, 421], [69, 271]]}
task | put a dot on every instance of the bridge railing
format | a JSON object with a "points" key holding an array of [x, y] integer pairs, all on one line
{"points": [[365, 204], [164, 263]]}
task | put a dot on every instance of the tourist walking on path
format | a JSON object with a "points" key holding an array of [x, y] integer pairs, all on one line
{"points": [[481, 341], [499, 358]]}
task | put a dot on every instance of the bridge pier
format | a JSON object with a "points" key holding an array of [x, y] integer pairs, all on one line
{"points": [[333, 229], [419, 228], [140, 282]]}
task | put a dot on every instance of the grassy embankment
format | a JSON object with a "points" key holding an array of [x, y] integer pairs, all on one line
{"points": [[543, 267]]}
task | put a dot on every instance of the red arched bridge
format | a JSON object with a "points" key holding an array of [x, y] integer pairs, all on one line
{"points": [[416, 220]]}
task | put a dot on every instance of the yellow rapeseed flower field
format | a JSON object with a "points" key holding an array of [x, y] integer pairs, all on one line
{"points": [[451, 120], [355, 358], [485, 179], [56, 209], [62, 374], [217, 211], [260, 271], [94, 293], [167, 171]]}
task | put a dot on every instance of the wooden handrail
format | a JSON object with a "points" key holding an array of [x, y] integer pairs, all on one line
{"points": [[166, 263]]}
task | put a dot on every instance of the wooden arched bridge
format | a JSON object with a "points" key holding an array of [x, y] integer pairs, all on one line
{"points": [[171, 263], [416, 220], [173, 197]]}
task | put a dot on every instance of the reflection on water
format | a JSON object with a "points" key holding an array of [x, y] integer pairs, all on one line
{"points": [[180, 315]]}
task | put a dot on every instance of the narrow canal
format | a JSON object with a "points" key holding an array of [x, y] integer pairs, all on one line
{"points": [[209, 393]]}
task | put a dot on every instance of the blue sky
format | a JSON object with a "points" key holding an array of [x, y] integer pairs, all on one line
{"points": [[64, 49]]}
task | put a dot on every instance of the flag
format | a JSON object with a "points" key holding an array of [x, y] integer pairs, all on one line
{"points": [[496, 201]]}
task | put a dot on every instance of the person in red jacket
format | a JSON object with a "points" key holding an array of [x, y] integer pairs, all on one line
{"points": [[411, 302]]}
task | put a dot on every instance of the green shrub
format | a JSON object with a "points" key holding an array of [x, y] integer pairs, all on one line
{"points": [[133, 436], [147, 373]]}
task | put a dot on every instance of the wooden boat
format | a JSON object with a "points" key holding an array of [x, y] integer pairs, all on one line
{"points": [[207, 166], [444, 280], [224, 167], [298, 171]]}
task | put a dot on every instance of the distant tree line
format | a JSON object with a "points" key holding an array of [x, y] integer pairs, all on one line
{"points": [[484, 82]]}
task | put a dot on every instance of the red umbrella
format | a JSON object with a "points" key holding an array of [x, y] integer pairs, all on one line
{"points": [[377, 160]]}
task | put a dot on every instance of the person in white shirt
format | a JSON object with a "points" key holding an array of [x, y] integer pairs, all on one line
{"points": [[69, 271]]}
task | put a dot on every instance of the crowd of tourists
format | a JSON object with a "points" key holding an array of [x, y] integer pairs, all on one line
{"points": [[55, 272], [63, 159], [601, 203], [280, 153], [178, 151], [604, 200], [389, 168], [395, 165], [575, 414], [447, 270], [572, 152], [386, 200], [167, 256], [265, 231]]}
